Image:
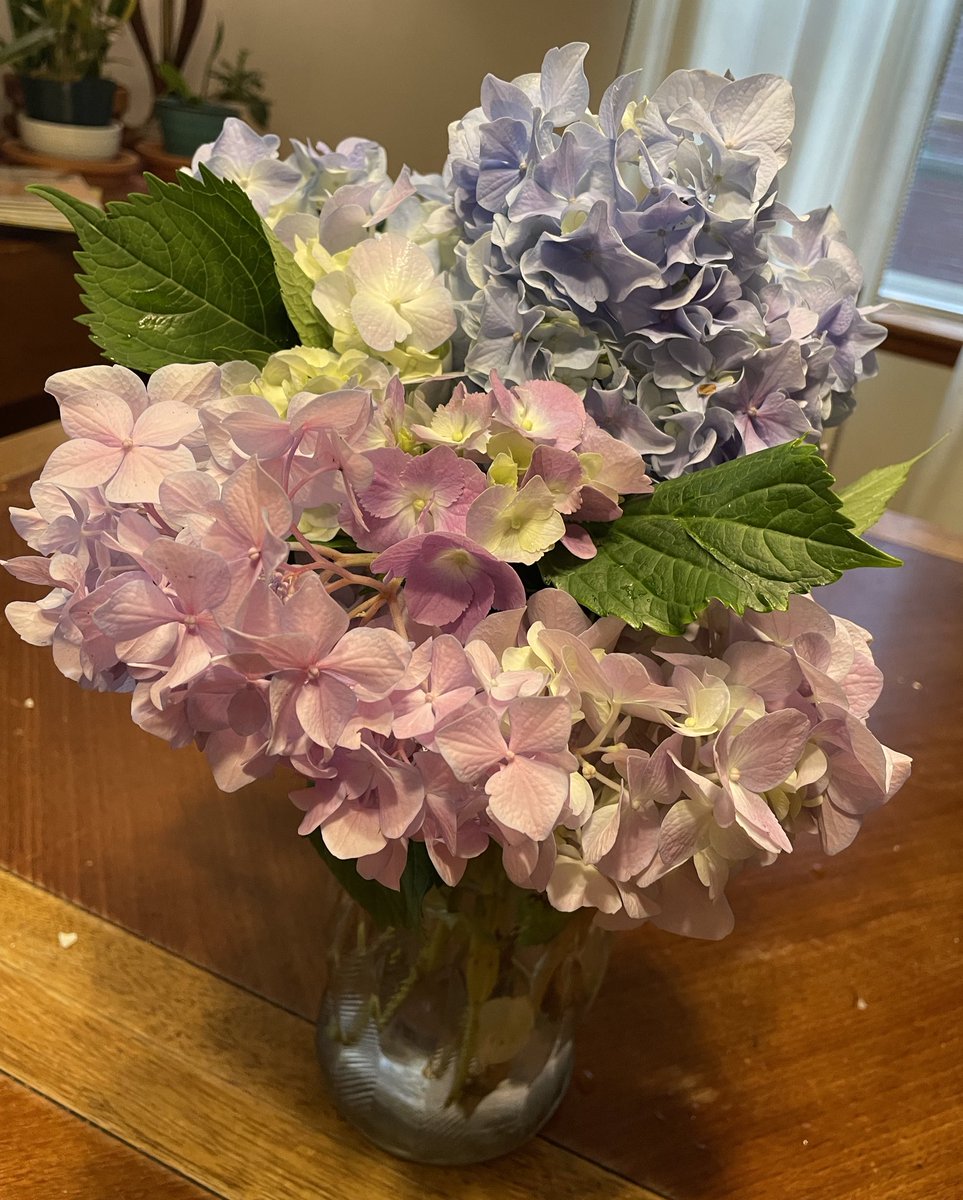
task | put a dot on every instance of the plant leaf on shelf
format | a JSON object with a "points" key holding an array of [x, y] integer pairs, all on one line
{"points": [[296, 289], [184, 274], [749, 533], [864, 501]]}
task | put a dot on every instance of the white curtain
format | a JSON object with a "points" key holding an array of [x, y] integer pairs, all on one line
{"points": [[864, 73]]}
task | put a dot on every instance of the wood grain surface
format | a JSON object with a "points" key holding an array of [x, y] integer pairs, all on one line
{"points": [[209, 1079], [817, 1053], [47, 1153], [19, 451]]}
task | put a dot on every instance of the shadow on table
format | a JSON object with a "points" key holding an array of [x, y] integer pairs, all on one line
{"points": [[644, 1075]]}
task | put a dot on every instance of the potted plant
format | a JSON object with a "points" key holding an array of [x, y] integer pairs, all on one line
{"points": [[190, 118], [59, 48]]}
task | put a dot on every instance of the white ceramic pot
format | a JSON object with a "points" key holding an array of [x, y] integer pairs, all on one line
{"points": [[70, 141]]}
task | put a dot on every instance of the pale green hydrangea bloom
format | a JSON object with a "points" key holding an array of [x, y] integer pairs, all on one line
{"points": [[308, 369]]}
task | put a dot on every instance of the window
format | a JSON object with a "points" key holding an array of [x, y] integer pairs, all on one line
{"points": [[925, 266]]}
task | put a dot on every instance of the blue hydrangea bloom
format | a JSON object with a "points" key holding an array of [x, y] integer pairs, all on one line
{"points": [[726, 322]]}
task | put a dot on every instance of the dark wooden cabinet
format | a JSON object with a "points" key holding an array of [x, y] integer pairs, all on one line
{"points": [[39, 333]]}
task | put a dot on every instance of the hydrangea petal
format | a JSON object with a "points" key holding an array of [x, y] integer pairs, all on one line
{"points": [[83, 463], [378, 321], [98, 416], [165, 424]]}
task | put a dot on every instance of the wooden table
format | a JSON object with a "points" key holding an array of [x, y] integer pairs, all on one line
{"points": [[816, 1054]]}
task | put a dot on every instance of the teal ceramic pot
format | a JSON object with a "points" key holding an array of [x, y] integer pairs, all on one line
{"points": [[83, 102], [185, 126]]}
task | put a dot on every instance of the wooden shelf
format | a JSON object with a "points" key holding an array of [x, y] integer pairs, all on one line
{"points": [[933, 339]]}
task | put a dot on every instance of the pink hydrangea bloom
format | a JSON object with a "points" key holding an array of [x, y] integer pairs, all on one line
{"points": [[450, 581], [334, 589], [129, 456], [527, 772]]}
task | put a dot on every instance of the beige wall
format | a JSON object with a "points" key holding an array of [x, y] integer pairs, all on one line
{"points": [[394, 70], [895, 418], [900, 414]]}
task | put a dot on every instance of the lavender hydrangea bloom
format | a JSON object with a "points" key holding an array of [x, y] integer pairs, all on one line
{"points": [[655, 227], [241, 155]]}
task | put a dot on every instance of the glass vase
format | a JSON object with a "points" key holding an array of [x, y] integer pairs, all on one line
{"points": [[451, 1041]]}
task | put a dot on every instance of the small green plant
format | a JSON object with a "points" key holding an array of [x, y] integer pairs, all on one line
{"points": [[65, 40], [224, 81]]}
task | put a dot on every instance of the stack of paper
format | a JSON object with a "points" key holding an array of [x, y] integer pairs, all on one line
{"points": [[18, 207]]}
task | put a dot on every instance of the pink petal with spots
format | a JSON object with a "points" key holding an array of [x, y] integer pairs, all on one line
{"points": [[83, 463], [200, 579], [186, 383], [69, 387], [100, 417], [165, 424]]}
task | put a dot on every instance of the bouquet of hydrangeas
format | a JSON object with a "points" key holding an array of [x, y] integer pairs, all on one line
{"points": [[487, 500]]}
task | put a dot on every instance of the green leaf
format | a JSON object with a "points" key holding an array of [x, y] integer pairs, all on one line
{"points": [[177, 85], [22, 47], [401, 909], [184, 274], [864, 501], [296, 289], [749, 533], [538, 921]]}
